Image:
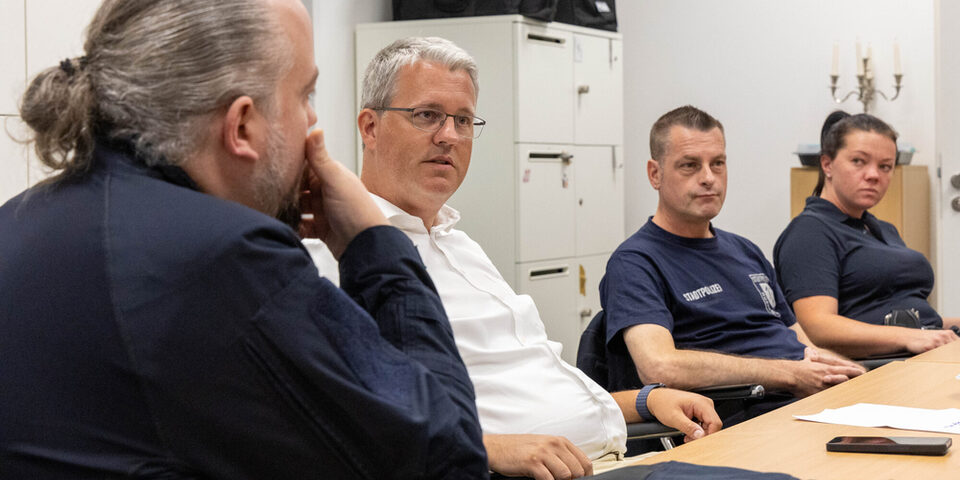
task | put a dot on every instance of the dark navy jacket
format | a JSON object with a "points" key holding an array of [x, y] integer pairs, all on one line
{"points": [[149, 330]]}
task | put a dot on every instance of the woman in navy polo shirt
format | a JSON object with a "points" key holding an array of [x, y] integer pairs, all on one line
{"points": [[842, 269]]}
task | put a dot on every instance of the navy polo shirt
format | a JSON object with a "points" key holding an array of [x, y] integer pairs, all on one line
{"points": [[716, 294], [862, 262]]}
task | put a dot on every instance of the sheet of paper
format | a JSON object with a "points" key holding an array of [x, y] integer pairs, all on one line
{"points": [[905, 418]]}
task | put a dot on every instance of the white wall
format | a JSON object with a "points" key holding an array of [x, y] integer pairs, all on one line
{"points": [[761, 67], [35, 35], [948, 144], [333, 26]]}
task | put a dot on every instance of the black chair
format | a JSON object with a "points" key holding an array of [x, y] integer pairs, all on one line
{"points": [[876, 361], [593, 359]]}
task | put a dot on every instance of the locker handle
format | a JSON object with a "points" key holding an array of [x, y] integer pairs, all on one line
{"points": [[548, 272], [546, 38], [562, 156]]}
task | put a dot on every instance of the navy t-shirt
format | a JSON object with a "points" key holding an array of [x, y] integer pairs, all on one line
{"points": [[717, 294], [862, 262]]}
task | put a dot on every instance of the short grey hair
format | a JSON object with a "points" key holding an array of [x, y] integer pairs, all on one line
{"points": [[686, 116], [153, 74], [380, 78]]}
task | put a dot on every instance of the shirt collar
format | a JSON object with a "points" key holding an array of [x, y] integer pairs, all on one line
{"points": [[828, 209], [123, 152], [699, 243], [447, 217]]}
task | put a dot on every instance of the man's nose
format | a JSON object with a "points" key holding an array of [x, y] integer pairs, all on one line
{"points": [[707, 177], [447, 132]]}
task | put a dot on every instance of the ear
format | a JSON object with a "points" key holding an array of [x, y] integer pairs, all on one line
{"points": [[653, 173], [367, 123], [242, 127], [826, 164]]}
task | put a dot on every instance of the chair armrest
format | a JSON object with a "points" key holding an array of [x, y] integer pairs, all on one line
{"points": [[875, 361], [732, 392], [871, 363], [645, 430]]}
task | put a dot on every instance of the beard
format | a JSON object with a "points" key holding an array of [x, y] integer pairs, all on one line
{"points": [[269, 193]]}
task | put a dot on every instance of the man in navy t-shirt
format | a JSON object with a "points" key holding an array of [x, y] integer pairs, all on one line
{"points": [[692, 305]]}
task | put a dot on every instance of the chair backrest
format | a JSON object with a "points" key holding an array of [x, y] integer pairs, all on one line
{"points": [[608, 364], [592, 354]]}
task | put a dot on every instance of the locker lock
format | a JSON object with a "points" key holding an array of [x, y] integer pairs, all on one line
{"points": [[583, 89], [566, 156]]}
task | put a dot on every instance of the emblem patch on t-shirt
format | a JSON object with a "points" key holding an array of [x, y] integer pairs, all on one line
{"points": [[762, 283]]}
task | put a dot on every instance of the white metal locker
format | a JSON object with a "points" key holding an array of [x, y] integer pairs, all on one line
{"points": [[598, 82], [599, 197], [544, 84], [552, 285]]}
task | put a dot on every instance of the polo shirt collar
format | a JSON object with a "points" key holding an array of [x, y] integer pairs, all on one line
{"points": [[827, 209]]}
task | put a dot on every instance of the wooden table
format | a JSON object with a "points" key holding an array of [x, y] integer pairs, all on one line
{"points": [[776, 442], [949, 353]]}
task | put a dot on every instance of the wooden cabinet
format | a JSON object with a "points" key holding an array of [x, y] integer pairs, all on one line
{"points": [[906, 204], [544, 194]]}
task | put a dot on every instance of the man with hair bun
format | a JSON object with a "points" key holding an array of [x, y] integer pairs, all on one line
{"points": [[158, 322]]}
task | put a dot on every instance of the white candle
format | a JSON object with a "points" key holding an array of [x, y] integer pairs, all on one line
{"points": [[897, 70], [835, 67], [869, 61], [859, 59]]}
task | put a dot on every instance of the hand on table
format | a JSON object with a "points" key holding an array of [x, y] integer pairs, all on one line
{"points": [[678, 408], [919, 341], [819, 370]]}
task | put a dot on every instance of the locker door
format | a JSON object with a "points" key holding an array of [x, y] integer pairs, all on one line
{"points": [[13, 74], [544, 85], [545, 203], [591, 270], [552, 285], [54, 31], [599, 199], [598, 83]]}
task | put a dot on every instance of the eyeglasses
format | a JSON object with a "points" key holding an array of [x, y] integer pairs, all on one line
{"points": [[430, 120]]}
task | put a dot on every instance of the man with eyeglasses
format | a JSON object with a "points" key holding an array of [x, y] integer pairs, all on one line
{"points": [[541, 417]]}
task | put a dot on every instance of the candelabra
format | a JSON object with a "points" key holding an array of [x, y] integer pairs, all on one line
{"points": [[866, 91]]}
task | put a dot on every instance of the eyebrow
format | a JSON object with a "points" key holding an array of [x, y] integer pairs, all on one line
{"points": [[313, 80], [697, 159], [437, 106], [881, 157]]}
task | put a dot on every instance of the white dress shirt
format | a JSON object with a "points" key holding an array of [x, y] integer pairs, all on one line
{"points": [[522, 384]]}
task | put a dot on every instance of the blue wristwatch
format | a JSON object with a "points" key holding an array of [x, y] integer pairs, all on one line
{"points": [[642, 401]]}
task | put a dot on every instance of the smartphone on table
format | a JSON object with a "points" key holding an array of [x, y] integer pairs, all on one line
{"points": [[901, 445]]}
